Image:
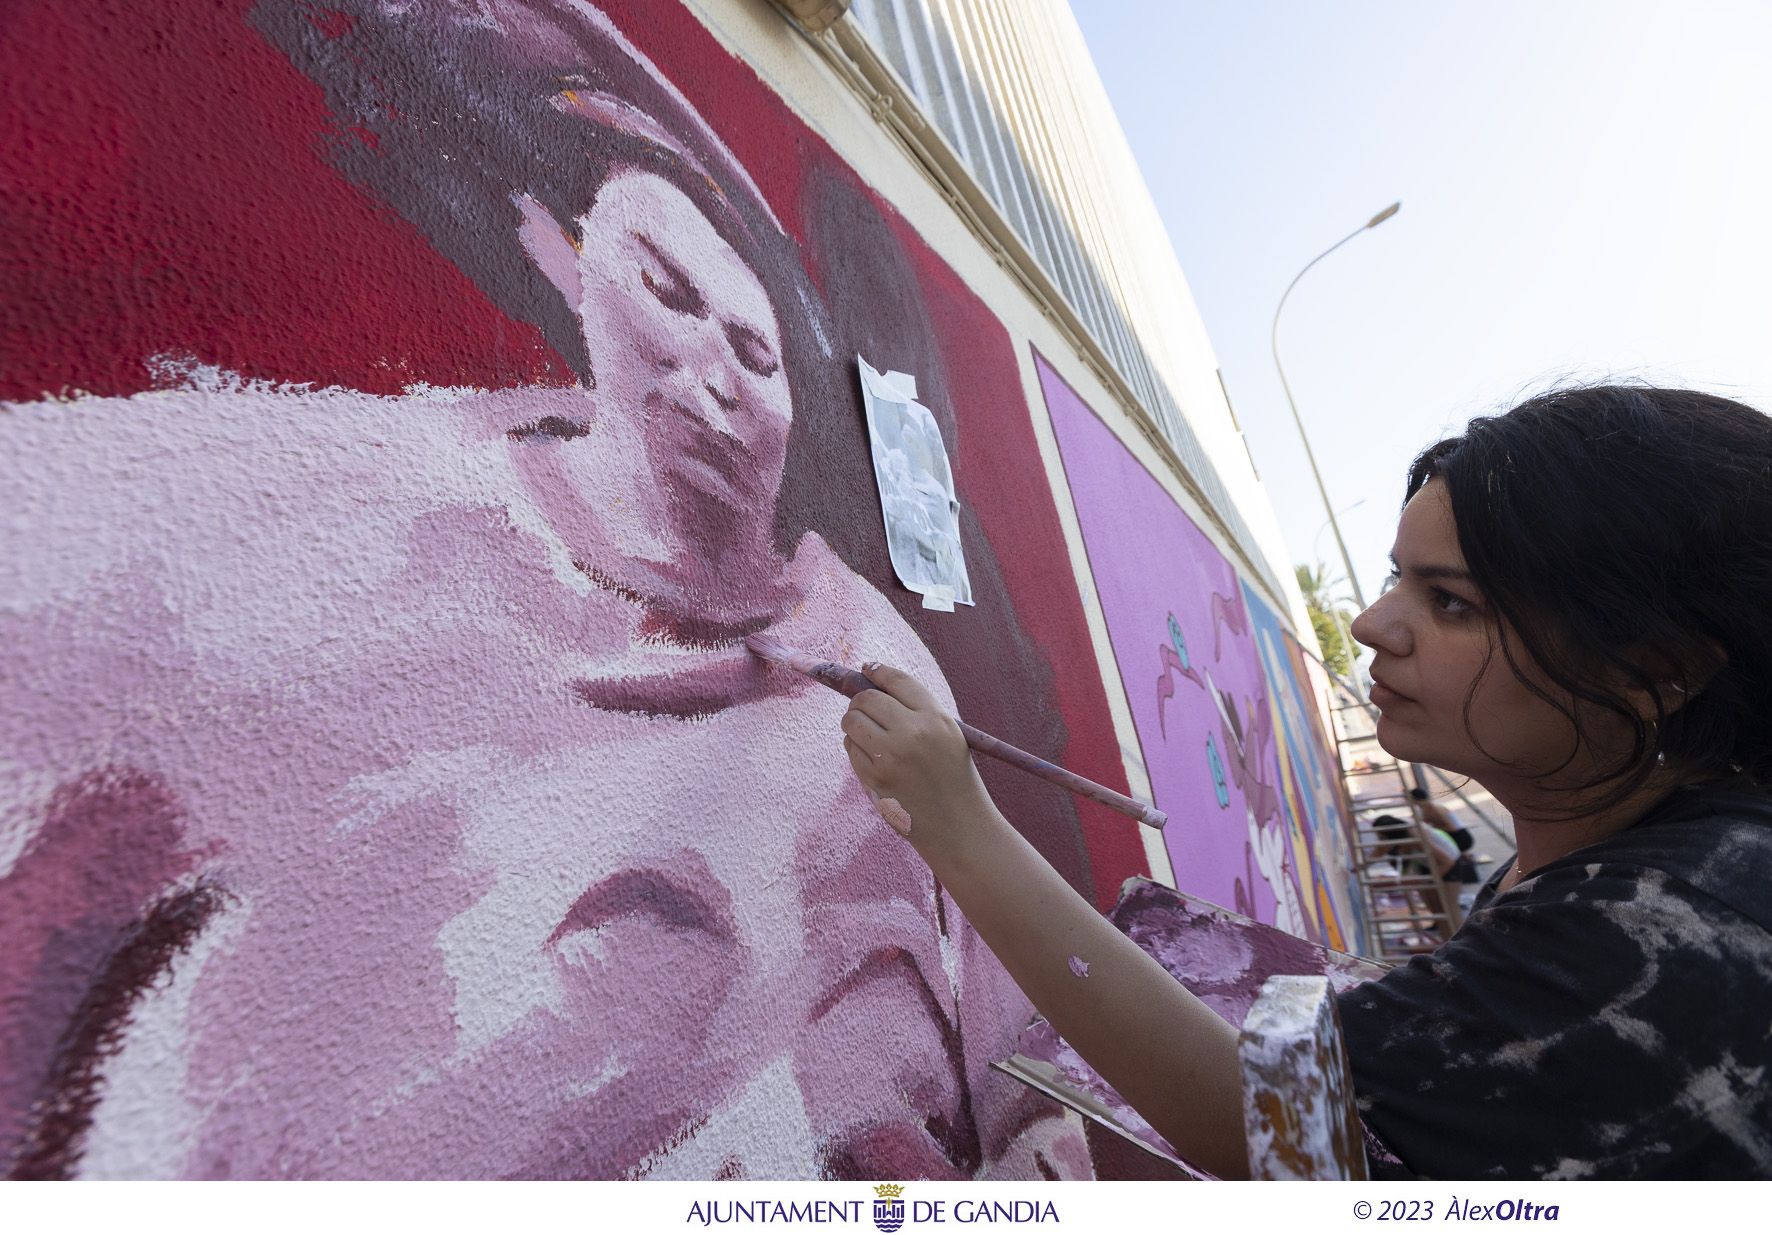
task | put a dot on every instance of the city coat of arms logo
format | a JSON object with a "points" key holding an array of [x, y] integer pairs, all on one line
{"points": [[888, 1207]]}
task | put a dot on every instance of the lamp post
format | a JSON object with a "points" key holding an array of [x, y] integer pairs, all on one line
{"points": [[1324, 527], [1346, 561]]}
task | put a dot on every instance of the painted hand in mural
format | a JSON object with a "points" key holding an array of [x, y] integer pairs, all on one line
{"points": [[1271, 847], [1247, 734], [1227, 614]]}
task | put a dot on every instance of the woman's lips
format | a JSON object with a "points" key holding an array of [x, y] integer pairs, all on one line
{"points": [[646, 893], [707, 454], [1383, 696]]}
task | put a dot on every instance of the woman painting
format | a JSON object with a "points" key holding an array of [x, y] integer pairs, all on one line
{"points": [[1578, 622]]}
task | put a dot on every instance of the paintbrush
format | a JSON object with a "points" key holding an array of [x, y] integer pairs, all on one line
{"points": [[852, 682]]}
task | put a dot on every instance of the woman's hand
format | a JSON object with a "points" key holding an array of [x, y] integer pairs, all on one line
{"points": [[910, 756], [1167, 1053]]}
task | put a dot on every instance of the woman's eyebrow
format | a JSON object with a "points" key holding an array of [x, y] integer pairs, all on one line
{"points": [[691, 296], [1432, 571]]}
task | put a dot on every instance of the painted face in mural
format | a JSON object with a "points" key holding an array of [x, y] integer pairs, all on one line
{"points": [[1436, 648], [670, 475]]}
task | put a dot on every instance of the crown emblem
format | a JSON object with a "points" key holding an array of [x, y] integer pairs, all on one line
{"points": [[889, 1191]]}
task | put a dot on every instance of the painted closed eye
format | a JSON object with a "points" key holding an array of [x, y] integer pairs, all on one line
{"points": [[669, 283], [753, 352], [563, 428]]}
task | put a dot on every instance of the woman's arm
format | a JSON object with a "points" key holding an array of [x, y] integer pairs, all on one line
{"points": [[1168, 1054]]}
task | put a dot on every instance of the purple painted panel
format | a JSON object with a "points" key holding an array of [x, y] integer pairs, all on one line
{"points": [[1180, 633]]}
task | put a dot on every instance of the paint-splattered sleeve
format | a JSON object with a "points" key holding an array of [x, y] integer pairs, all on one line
{"points": [[1598, 1021]]}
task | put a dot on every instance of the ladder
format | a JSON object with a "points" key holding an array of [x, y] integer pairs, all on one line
{"points": [[1410, 910]]}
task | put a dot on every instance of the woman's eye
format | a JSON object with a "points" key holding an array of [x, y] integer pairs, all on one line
{"points": [[669, 283], [752, 352], [674, 293], [1452, 606], [560, 427]]}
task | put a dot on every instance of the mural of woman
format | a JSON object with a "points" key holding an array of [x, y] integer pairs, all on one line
{"points": [[395, 797]]}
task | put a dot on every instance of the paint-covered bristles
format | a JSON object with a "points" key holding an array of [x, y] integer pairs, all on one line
{"points": [[849, 682], [839, 678]]}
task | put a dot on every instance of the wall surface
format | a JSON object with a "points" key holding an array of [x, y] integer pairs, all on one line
{"points": [[1235, 747], [408, 409]]}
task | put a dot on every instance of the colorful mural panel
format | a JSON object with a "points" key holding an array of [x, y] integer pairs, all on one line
{"points": [[411, 407], [1193, 675], [1311, 799]]}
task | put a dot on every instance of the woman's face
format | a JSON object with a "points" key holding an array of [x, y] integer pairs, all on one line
{"points": [[686, 354], [1432, 633]]}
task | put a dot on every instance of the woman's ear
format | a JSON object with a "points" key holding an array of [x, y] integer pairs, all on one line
{"points": [[551, 247]]}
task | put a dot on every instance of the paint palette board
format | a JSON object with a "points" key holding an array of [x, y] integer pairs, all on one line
{"points": [[1222, 957]]}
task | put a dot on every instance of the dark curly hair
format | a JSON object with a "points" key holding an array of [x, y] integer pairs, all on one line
{"points": [[1623, 534]]}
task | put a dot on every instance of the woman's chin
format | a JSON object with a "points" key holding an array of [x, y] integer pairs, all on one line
{"points": [[1399, 742]]}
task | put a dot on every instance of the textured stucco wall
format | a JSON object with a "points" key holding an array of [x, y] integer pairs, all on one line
{"points": [[407, 408]]}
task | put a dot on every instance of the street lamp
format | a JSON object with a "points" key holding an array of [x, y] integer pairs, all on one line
{"points": [[1346, 561], [1318, 538]]}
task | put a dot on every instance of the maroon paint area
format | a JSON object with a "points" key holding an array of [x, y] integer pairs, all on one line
{"points": [[1001, 477], [164, 189]]}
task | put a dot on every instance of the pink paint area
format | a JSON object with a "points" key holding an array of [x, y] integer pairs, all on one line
{"points": [[1190, 669], [894, 813], [329, 653]]}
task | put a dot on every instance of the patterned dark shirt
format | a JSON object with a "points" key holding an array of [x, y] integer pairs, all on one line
{"points": [[1610, 1017]]}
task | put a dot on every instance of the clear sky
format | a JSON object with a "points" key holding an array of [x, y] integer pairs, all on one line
{"points": [[1584, 188]]}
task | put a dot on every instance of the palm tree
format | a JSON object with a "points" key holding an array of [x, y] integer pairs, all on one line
{"points": [[1315, 583]]}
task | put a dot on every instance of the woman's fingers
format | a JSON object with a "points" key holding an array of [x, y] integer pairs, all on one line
{"points": [[901, 687], [864, 731], [881, 708], [860, 760]]}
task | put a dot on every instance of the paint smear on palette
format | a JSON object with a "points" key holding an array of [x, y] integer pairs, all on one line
{"points": [[1220, 956], [1079, 966]]}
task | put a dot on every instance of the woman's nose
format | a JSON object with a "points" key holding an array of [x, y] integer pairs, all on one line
{"points": [[727, 402], [1380, 627], [717, 372]]}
